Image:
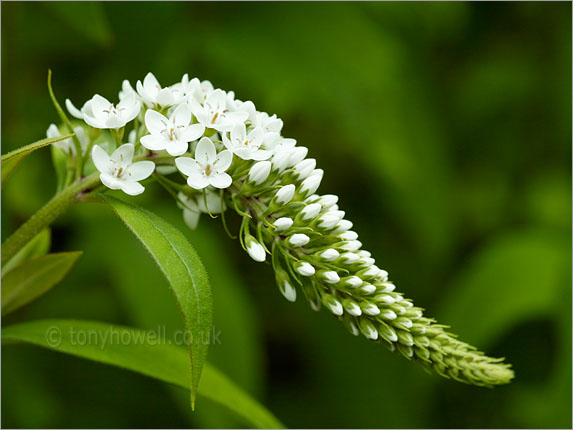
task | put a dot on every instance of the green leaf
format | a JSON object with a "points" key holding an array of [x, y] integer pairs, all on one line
{"points": [[516, 277], [184, 271], [33, 278], [144, 354], [11, 160], [38, 246]]}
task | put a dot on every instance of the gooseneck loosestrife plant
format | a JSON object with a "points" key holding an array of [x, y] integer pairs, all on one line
{"points": [[213, 152]]}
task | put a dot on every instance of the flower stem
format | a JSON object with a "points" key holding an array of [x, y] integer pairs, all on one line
{"points": [[46, 215]]}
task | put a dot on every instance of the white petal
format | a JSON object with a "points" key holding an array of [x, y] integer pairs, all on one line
{"points": [[74, 111], [140, 170], [110, 181], [177, 147], [154, 142], [224, 160], [98, 105], [132, 188], [101, 159], [123, 154], [182, 115], [150, 83], [155, 122], [197, 181], [193, 132], [220, 180], [205, 152], [191, 218], [188, 166]]}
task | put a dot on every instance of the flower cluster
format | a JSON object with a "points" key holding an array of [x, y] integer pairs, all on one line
{"points": [[229, 155]]}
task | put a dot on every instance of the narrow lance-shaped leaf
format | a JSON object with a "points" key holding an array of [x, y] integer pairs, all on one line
{"points": [[11, 160], [184, 271], [38, 246], [160, 360], [33, 278]]}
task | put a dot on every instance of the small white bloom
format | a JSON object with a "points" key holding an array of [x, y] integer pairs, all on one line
{"points": [[255, 249], [173, 134], [310, 211], [304, 268], [328, 221], [343, 226], [310, 184], [281, 159], [370, 309], [352, 281], [208, 167], [368, 329], [372, 272], [329, 276], [283, 223], [367, 288], [100, 113], [298, 239], [153, 94], [349, 258], [329, 255], [367, 261], [328, 200], [348, 235], [259, 172], [118, 172], [288, 291], [388, 314], [214, 112], [272, 127], [68, 145], [333, 305], [126, 90], [298, 154], [303, 169], [285, 194], [353, 245], [352, 308], [246, 144]]}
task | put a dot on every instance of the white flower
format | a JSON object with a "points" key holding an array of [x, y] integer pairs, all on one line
{"points": [[259, 172], [272, 127], [329, 276], [353, 281], [68, 145], [283, 223], [126, 90], [304, 268], [349, 257], [298, 154], [298, 239], [310, 184], [214, 112], [173, 134], [348, 235], [328, 200], [246, 145], [208, 167], [285, 194], [101, 113], [195, 205], [310, 211], [118, 172], [343, 226], [328, 220], [255, 249], [152, 93], [353, 245], [329, 254]]}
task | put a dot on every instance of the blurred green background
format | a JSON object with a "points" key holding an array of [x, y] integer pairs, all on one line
{"points": [[445, 128]]}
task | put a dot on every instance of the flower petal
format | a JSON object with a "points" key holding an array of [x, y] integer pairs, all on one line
{"points": [[110, 181], [177, 147], [187, 165], [205, 152], [191, 218], [132, 188], [154, 142], [197, 181], [193, 132], [224, 160], [220, 180], [140, 170], [155, 122], [182, 115], [101, 159], [74, 111], [123, 154]]}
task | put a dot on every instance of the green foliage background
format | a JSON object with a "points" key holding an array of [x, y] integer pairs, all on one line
{"points": [[444, 127]]}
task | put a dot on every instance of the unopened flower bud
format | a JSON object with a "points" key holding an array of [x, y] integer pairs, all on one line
{"points": [[304, 268], [370, 309], [329, 255], [310, 211], [348, 235], [298, 239], [352, 308], [367, 288], [328, 200], [329, 276], [255, 249], [388, 314], [259, 172], [343, 226], [310, 184], [332, 304], [368, 329], [283, 223], [285, 194], [328, 221], [387, 332], [353, 245], [303, 169], [297, 155], [352, 281], [349, 258]]}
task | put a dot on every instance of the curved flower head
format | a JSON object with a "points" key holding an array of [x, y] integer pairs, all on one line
{"points": [[101, 113], [119, 172], [208, 167], [173, 134], [152, 93], [214, 112], [246, 144]]}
